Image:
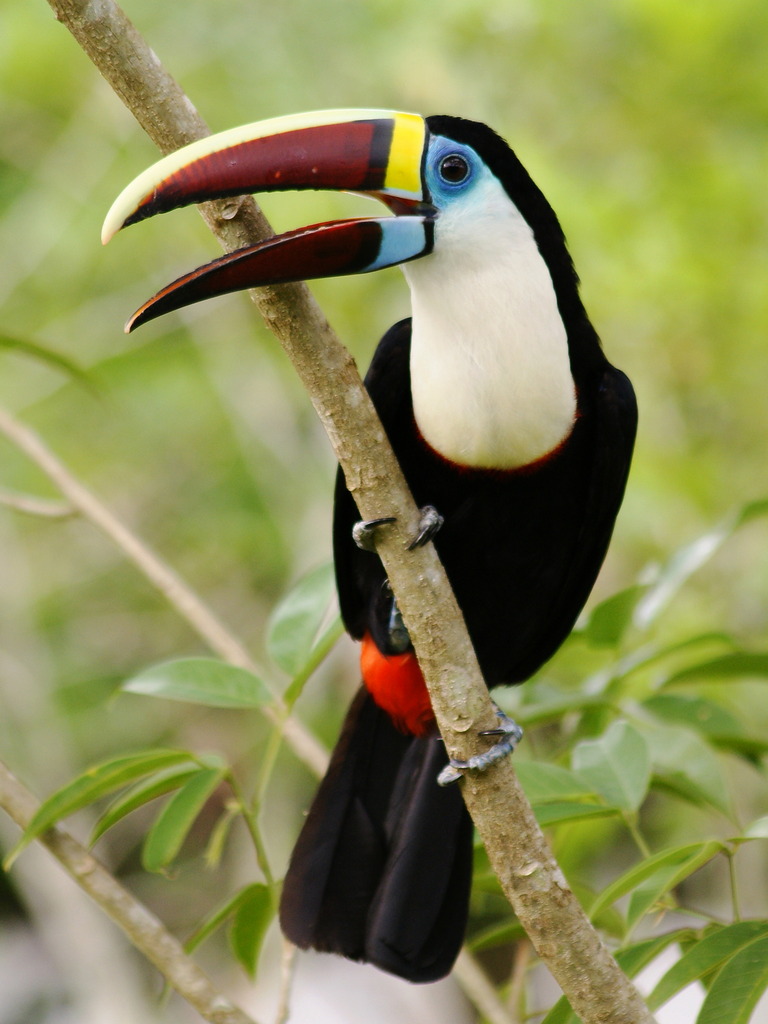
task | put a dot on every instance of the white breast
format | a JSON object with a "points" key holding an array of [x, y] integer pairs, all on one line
{"points": [[490, 372]]}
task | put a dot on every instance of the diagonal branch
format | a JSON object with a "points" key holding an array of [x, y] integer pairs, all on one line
{"points": [[547, 909], [176, 591]]}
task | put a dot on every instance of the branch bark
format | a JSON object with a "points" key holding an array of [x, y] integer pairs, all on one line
{"points": [[558, 927]]}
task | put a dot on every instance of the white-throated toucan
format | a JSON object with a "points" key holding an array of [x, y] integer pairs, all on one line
{"points": [[505, 416]]}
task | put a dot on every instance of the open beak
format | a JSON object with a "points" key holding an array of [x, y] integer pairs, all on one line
{"points": [[376, 152]]}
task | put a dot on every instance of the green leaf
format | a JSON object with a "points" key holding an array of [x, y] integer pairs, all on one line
{"points": [[157, 785], [687, 560], [97, 782], [201, 681], [650, 655], [551, 814], [738, 665], [758, 829], [217, 841], [297, 619], [610, 619], [165, 838], [541, 712], [686, 764], [738, 986], [662, 881], [752, 510], [617, 765], [324, 644], [707, 717], [632, 959], [706, 955], [683, 860], [500, 933], [685, 788], [216, 918], [561, 1013], [544, 782], [749, 748], [714, 722], [609, 921], [252, 918]]}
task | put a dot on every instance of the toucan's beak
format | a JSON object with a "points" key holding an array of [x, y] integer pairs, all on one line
{"points": [[377, 152]]}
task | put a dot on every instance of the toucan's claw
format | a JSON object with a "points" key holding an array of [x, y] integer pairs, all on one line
{"points": [[429, 523], [507, 728], [364, 532]]}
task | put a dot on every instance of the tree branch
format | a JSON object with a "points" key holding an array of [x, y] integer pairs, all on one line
{"points": [[141, 926], [557, 925], [176, 591]]}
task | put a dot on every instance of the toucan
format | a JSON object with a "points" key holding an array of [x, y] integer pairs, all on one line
{"points": [[514, 433]]}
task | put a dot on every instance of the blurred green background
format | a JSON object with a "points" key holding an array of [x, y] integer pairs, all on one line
{"points": [[644, 123]]}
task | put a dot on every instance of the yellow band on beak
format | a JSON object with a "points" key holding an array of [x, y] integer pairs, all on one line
{"points": [[404, 165]]}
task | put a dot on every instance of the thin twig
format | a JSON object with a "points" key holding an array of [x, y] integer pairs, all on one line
{"points": [[169, 583], [517, 983], [287, 970], [32, 506], [479, 990], [141, 926], [186, 602]]}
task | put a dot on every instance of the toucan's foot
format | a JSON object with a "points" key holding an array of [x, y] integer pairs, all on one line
{"points": [[430, 521], [364, 532], [511, 734], [507, 726]]}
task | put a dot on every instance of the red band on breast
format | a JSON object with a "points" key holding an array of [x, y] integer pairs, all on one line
{"points": [[396, 684]]}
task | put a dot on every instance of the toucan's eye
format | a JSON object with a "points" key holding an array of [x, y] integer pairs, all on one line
{"points": [[454, 169]]}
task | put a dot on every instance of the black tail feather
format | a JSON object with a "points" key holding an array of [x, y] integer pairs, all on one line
{"points": [[382, 868]]}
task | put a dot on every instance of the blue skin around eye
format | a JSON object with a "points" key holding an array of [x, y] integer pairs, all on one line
{"points": [[404, 238], [441, 190]]}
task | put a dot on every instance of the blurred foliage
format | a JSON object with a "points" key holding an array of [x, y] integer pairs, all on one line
{"points": [[644, 123]]}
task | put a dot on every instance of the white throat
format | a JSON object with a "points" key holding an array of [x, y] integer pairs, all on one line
{"points": [[490, 371]]}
